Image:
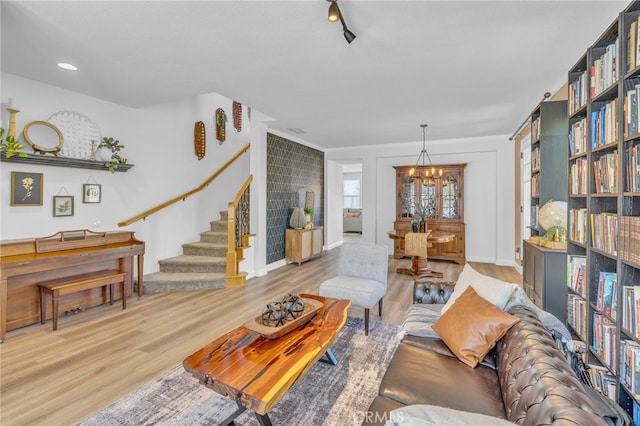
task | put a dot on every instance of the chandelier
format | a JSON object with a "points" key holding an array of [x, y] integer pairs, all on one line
{"points": [[427, 174]]}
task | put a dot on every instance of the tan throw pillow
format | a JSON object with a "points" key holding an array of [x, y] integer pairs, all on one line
{"points": [[472, 326]]}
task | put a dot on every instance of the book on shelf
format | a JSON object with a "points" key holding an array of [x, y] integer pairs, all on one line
{"points": [[605, 173], [632, 169], [535, 158], [576, 273], [604, 232], [607, 287], [604, 129], [630, 239], [630, 108], [534, 215], [630, 366], [601, 379], [578, 93], [578, 175], [637, 42], [535, 130], [535, 185], [631, 45], [577, 314], [604, 336], [577, 227], [604, 71], [578, 137], [631, 309]]}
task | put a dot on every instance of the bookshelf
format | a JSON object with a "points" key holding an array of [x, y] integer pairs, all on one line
{"points": [[548, 157], [544, 269], [603, 235]]}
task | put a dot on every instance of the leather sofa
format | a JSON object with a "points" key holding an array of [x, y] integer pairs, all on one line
{"points": [[525, 379]]}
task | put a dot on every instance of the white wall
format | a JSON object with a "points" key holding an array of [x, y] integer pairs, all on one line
{"points": [[333, 205], [488, 186], [158, 141]]}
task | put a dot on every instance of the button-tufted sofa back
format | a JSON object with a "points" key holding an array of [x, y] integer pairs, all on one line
{"points": [[538, 385]]}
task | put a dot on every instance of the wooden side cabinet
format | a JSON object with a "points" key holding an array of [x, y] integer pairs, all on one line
{"points": [[303, 244], [545, 278]]}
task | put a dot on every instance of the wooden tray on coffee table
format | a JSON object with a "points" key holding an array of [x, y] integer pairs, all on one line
{"points": [[311, 306]]}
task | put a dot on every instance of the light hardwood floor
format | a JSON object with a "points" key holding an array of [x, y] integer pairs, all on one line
{"points": [[101, 354]]}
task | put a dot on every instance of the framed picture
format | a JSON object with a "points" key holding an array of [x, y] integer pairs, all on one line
{"points": [[91, 193], [26, 189], [62, 205]]}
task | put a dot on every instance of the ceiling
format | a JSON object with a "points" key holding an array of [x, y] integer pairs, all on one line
{"points": [[467, 68]]}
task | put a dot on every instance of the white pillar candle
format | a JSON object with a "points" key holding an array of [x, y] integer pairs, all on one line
{"points": [[12, 103]]}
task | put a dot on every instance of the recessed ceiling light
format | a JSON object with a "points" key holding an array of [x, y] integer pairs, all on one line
{"points": [[66, 66]]}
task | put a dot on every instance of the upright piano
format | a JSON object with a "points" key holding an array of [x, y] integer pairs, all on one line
{"points": [[24, 263]]}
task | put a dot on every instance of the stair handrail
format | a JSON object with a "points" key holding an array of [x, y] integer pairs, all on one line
{"points": [[187, 194], [238, 233]]}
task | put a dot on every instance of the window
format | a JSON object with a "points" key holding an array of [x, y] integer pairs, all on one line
{"points": [[351, 192]]}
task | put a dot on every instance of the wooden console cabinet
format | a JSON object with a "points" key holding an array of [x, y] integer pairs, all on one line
{"points": [[442, 198], [303, 244]]}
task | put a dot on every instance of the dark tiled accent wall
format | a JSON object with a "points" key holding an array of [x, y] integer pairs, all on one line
{"points": [[289, 167]]}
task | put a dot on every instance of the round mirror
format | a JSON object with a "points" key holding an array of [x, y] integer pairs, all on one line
{"points": [[43, 137]]}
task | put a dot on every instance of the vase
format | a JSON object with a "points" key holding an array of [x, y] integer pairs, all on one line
{"points": [[415, 226], [102, 154], [297, 220], [423, 226]]}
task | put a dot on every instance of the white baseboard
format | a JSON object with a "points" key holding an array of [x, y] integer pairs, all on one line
{"points": [[334, 245], [276, 265]]}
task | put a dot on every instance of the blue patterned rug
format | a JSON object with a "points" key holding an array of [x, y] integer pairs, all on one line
{"points": [[326, 395]]}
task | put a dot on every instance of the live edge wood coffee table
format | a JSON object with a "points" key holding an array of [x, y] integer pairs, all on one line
{"points": [[256, 372]]}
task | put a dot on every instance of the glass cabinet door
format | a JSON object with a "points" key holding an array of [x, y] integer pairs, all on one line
{"points": [[407, 194], [450, 196], [428, 198]]}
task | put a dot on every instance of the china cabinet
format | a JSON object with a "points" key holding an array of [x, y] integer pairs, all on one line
{"points": [[439, 200]]}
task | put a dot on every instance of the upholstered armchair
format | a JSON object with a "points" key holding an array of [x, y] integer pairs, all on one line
{"points": [[362, 277]]}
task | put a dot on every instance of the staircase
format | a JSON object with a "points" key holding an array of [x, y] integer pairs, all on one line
{"points": [[202, 265]]}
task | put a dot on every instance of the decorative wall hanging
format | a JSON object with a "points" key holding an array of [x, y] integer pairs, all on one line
{"points": [[81, 135], [43, 137], [237, 116], [199, 140], [62, 205], [26, 189], [91, 193], [221, 120]]}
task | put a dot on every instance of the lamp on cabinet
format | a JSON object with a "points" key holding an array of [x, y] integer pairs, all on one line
{"points": [[431, 173]]}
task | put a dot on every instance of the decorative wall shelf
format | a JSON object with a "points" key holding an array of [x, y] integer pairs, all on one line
{"points": [[76, 163]]}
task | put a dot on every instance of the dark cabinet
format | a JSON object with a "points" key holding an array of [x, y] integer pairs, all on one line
{"points": [[545, 278]]}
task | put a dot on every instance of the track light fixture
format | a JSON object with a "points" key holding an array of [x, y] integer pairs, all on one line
{"points": [[334, 12], [335, 15]]}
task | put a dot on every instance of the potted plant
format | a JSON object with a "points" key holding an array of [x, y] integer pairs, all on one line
{"points": [[115, 147], [10, 147], [309, 212], [423, 210]]}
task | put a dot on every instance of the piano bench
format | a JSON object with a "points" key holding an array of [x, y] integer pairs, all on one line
{"points": [[60, 287]]}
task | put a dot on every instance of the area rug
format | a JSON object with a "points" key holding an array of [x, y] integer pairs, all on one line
{"points": [[326, 395]]}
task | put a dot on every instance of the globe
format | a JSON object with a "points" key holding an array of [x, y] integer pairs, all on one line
{"points": [[553, 213]]}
